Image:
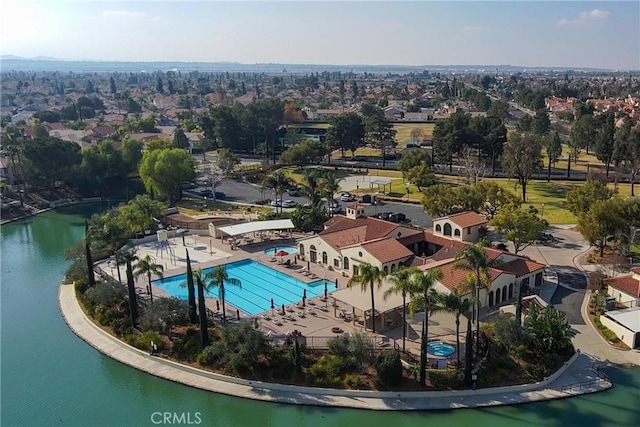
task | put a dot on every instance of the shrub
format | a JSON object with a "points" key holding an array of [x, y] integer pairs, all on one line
{"points": [[389, 368], [121, 326], [144, 341], [206, 357], [81, 285], [106, 294], [353, 381], [327, 370], [445, 380], [356, 349], [164, 314], [537, 371]]}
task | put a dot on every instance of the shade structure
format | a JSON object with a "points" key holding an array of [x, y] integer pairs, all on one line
{"points": [[325, 290], [272, 304]]}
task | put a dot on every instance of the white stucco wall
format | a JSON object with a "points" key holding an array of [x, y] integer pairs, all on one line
{"points": [[623, 297], [623, 333]]}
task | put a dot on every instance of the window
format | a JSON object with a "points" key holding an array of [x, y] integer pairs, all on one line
{"points": [[457, 232], [324, 257], [510, 290], [504, 293], [345, 263], [301, 250], [468, 230], [385, 269], [355, 270], [447, 229], [336, 263], [497, 296], [313, 255], [438, 228], [393, 267], [360, 254], [491, 299]]}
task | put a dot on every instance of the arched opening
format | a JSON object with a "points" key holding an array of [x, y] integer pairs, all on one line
{"points": [[456, 232], [301, 250], [385, 269], [324, 258], [313, 255], [504, 293], [438, 228], [497, 296], [447, 229], [393, 267], [345, 263], [491, 299], [510, 290]]}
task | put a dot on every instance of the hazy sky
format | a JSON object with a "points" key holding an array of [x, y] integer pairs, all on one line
{"points": [[601, 34]]}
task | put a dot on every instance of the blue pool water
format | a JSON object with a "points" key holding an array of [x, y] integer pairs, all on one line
{"points": [[440, 349], [291, 250], [259, 284]]}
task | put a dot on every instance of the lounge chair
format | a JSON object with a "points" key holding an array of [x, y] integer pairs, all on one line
{"points": [[272, 260], [301, 314]]}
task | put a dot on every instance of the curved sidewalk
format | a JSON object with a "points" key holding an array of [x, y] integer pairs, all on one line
{"points": [[577, 370]]}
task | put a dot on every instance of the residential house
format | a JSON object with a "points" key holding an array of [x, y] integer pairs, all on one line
{"points": [[626, 289]]}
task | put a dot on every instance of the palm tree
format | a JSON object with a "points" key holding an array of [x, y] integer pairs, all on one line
{"points": [[279, 182], [453, 303], [368, 275], [217, 278], [402, 283], [423, 288], [148, 266], [123, 255], [473, 258], [329, 186], [311, 180]]}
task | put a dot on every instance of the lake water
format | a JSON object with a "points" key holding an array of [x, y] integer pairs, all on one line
{"points": [[49, 377]]}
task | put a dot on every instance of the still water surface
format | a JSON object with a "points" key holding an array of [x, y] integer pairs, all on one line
{"points": [[49, 377]]}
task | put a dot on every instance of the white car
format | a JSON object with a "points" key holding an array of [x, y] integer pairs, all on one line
{"points": [[347, 197], [276, 203], [289, 204]]}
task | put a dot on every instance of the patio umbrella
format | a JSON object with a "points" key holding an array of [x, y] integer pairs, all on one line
{"points": [[304, 299], [325, 290], [272, 305], [336, 283], [238, 314], [283, 313], [304, 294], [282, 253], [308, 265]]}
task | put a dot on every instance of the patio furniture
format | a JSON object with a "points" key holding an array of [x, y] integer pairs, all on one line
{"points": [[301, 314], [336, 330]]}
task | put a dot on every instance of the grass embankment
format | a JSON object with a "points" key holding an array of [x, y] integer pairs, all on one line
{"points": [[194, 206], [607, 333]]}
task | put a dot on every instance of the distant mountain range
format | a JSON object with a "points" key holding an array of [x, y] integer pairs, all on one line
{"points": [[43, 63]]}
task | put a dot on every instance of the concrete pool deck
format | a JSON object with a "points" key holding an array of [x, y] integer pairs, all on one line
{"points": [[577, 371]]}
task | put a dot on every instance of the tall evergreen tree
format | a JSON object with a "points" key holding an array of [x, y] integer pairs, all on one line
{"points": [[202, 310], [87, 247], [605, 140], [133, 300], [191, 293]]}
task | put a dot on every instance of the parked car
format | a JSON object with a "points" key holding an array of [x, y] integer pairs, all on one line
{"points": [[335, 208], [206, 193], [397, 217], [276, 203], [220, 195], [384, 215], [347, 197], [293, 191], [188, 185], [289, 203]]}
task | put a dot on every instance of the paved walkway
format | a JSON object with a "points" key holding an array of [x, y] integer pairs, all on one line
{"points": [[577, 371]]}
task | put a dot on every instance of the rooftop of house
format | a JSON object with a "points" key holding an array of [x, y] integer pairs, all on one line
{"points": [[520, 266], [386, 249], [627, 284], [465, 219]]}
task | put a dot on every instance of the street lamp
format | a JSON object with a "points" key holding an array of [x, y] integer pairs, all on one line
{"points": [[543, 211]]}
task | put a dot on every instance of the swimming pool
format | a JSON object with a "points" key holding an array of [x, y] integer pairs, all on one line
{"points": [[259, 284], [290, 250], [438, 348]]}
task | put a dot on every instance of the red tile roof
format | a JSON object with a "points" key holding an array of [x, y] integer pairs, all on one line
{"points": [[466, 219], [386, 250], [375, 228], [627, 284], [636, 270], [453, 277], [520, 266]]}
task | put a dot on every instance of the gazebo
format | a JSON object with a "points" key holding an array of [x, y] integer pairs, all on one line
{"points": [[388, 311]]}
